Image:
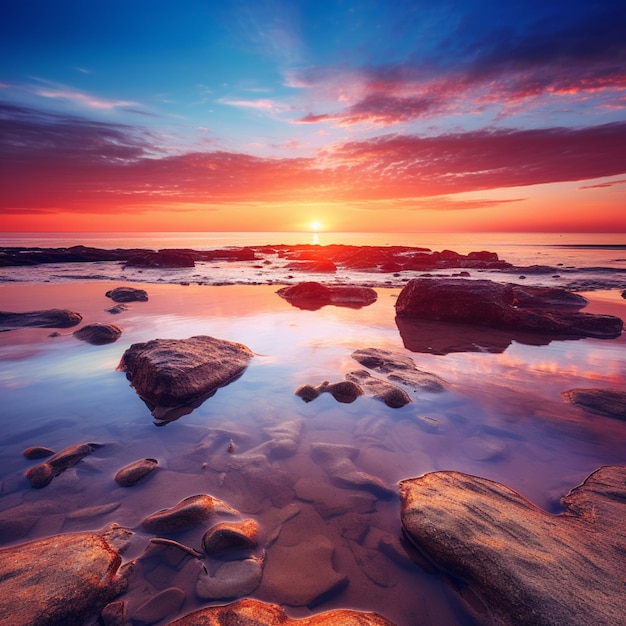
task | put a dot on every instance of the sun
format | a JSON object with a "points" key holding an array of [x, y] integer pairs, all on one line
{"points": [[316, 226]]}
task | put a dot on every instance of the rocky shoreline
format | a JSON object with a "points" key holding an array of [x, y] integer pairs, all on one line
{"points": [[562, 568]]}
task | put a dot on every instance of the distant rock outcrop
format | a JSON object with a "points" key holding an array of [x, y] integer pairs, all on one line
{"points": [[173, 376], [510, 306], [527, 566], [52, 318]]}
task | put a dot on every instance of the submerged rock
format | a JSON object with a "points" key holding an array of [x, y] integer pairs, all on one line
{"points": [[392, 395], [172, 374], [64, 579], [345, 391], [233, 579], [52, 318], [98, 334], [40, 475], [611, 402], [312, 296], [231, 536], [486, 303], [37, 452], [256, 613], [127, 294], [526, 565], [135, 471]]}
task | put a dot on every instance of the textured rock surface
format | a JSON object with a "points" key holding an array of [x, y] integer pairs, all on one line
{"points": [[611, 402], [98, 334], [169, 374], [392, 395], [40, 475], [53, 318], [233, 579], [134, 472], [311, 295], [486, 303], [256, 613], [127, 294], [74, 577], [231, 536], [345, 391], [527, 566]]}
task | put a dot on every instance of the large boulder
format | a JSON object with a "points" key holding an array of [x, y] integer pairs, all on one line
{"points": [[311, 295], [64, 579], [52, 318], [256, 613], [527, 566], [173, 375], [496, 305]]}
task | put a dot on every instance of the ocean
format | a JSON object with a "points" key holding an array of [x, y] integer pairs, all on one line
{"points": [[501, 416]]}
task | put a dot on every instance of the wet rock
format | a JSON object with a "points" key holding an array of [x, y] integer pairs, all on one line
{"points": [[506, 306], [392, 395], [233, 579], [114, 614], [132, 473], [312, 296], [170, 374], [127, 294], [90, 512], [166, 602], [98, 334], [52, 318], [162, 258], [373, 564], [40, 475], [117, 309], [337, 462], [257, 613], [224, 536], [188, 512], [610, 402], [75, 576], [303, 574], [329, 503], [17, 521], [37, 452], [323, 266], [399, 368], [345, 391], [527, 566]]}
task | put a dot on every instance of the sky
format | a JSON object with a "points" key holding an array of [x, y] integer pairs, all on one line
{"points": [[274, 115]]}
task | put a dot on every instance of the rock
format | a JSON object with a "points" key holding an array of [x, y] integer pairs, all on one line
{"points": [[345, 391], [173, 374], [303, 574], [312, 296], [526, 565], [17, 521], [233, 579], [256, 613], [399, 368], [162, 258], [337, 462], [63, 579], [507, 306], [134, 472], [114, 614], [40, 475], [188, 512], [127, 294], [611, 402], [52, 318], [98, 334], [323, 266], [117, 309], [392, 395], [231, 536], [93, 511], [164, 603], [37, 452]]}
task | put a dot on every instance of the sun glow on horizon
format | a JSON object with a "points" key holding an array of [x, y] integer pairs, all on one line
{"points": [[316, 226]]}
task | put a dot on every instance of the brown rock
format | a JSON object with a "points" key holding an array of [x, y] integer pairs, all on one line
{"points": [[63, 579], [231, 536], [134, 472], [162, 258], [527, 566], [170, 374], [256, 613], [233, 579], [345, 391], [311, 295], [611, 402], [40, 475], [98, 334], [127, 294], [392, 395], [188, 512], [37, 452], [53, 318]]}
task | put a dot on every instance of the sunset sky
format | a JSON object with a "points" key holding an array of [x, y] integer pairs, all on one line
{"points": [[372, 115]]}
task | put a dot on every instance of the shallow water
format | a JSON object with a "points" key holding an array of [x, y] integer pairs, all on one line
{"points": [[502, 418]]}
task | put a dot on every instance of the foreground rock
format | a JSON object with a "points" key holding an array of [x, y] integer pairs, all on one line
{"points": [[173, 376], [485, 303], [312, 296], [527, 566], [40, 475], [256, 613], [98, 334], [611, 402], [127, 294], [52, 318], [64, 579]]}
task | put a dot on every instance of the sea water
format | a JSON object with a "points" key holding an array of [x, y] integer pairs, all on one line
{"points": [[501, 417]]}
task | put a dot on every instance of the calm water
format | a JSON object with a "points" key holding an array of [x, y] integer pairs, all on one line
{"points": [[502, 418]]}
